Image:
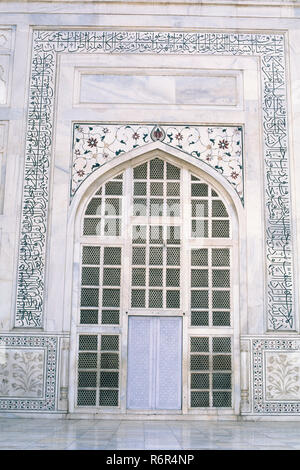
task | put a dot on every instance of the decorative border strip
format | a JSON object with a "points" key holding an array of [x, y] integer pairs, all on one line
{"points": [[219, 147], [273, 345], [50, 346], [46, 45]]}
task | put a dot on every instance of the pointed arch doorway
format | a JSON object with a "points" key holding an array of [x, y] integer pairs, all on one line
{"points": [[155, 330]]}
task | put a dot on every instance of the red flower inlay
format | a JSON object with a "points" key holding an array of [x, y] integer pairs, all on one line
{"points": [[80, 173], [234, 175], [92, 142], [223, 144], [157, 134], [135, 136]]}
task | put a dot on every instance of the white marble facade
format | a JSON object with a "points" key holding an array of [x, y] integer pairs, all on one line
{"points": [[88, 89]]}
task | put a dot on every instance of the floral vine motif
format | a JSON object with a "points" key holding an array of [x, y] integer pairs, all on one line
{"points": [[219, 147], [46, 44], [283, 377]]}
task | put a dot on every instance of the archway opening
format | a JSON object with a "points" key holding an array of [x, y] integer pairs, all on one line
{"points": [[155, 325]]}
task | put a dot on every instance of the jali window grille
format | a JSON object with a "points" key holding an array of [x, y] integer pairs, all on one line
{"points": [[210, 372], [210, 287], [209, 216], [103, 215], [100, 285], [98, 370], [170, 232], [155, 276]]}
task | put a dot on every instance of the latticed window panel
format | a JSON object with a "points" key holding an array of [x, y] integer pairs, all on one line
{"points": [[156, 256], [92, 226], [210, 372], [103, 214], [91, 255], [209, 215], [100, 298], [112, 227], [210, 287], [110, 317], [86, 397], [155, 299], [138, 298], [155, 219], [112, 256], [90, 276], [156, 262], [108, 397], [109, 343], [156, 189], [94, 206], [98, 371]]}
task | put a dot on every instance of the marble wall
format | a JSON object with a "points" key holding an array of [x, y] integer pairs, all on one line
{"points": [[157, 88], [100, 71]]}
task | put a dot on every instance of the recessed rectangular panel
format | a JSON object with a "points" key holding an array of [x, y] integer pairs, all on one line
{"points": [[169, 353], [140, 363], [154, 88]]}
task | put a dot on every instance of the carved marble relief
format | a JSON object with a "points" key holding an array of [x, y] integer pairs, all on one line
{"points": [[28, 371], [21, 373], [46, 45], [276, 377], [282, 376]]}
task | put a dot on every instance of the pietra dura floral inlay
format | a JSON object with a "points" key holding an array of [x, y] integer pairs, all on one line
{"points": [[219, 147], [33, 235]]}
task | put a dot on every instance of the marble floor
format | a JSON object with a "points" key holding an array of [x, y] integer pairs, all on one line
{"points": [[59, 434]]}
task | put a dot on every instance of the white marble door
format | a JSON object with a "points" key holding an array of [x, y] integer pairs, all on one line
{"points": [[154, 363]]}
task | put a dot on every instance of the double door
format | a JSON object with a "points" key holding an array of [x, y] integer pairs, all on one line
{"points": [[154, 378]]}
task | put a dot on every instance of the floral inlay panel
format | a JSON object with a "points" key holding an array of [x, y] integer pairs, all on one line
{"points": [[276, 381], [283, 376], [28, 371], [21, 373], [47, 44], [219, 147]]}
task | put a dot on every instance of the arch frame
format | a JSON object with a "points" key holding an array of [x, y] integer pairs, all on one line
{"points": [[47, 45], [72, 273]]}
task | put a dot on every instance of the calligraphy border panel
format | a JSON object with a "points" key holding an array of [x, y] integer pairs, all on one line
{"points": [[33, 233]]}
